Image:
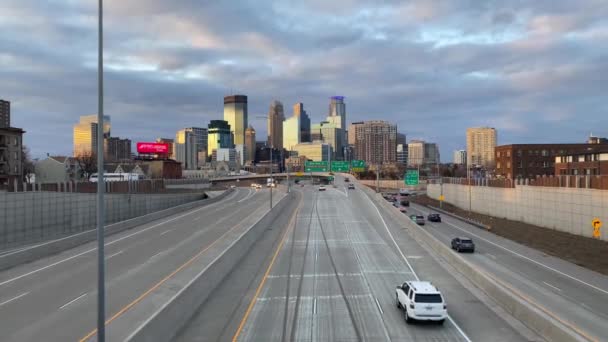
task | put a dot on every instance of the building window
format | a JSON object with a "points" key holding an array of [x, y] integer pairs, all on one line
{"points": [[530, 152], [497, 154], [16, 169], [544, 153], [15, 155], [508, 165], [531, 164], [520, 164], [519, 153], [509, 153], [15, 141], [498, 165]]}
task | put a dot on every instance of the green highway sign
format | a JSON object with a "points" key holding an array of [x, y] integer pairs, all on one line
{"points": [[316, 166], [340, 166], [411, 177], [358, 165]]}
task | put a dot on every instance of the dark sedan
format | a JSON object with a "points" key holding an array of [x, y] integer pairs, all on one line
{"points": [[434, 218], [462, 244]]}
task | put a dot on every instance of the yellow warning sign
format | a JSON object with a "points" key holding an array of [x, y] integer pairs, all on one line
{"points": [[596, 224], [442, 198]]}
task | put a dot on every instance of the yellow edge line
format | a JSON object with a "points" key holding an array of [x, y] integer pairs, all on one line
{"points": [[259, 289], [156, 286]]}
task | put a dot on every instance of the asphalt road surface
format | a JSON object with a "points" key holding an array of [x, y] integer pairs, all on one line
{"points": [[576, 296], [328, 273], [55, 299]]}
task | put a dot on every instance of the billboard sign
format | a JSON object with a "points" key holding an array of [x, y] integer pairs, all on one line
{"points": [[152, 148]]}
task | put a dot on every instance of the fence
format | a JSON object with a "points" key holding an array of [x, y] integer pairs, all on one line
{"points": [[34, 216], [563, 181]]}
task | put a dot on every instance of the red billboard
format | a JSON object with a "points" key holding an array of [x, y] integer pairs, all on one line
{"points": [[153, 148]]}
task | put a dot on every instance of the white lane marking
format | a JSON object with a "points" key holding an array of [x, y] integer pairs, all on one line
{"points": [[408, 263], [491, 256], [157, 254], [246, 197], [379, 307], [316, 256], [166, 231], [557, 288], [113, 255], [314, 307], [197, 218], [94, 249], [346, 192], [414, 256], [72, 301], [14, 298], [525, 257]]}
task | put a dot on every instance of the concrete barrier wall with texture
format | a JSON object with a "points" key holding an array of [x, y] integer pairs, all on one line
{"points": [[391, 184], [30, 217], [569, 210]]}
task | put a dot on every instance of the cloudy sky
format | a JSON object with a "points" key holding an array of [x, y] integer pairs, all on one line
{"points": [[535, 70]]}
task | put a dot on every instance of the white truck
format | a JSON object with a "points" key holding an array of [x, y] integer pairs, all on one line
{"points": [[422, 301]]}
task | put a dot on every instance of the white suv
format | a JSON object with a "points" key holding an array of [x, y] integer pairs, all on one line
{"points": [[420, 300]]}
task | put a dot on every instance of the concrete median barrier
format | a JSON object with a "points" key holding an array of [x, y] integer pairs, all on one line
{"points": [[49, 248], [167, 321], [529, 312]]}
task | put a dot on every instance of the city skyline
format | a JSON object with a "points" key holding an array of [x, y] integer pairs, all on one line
{"points": [[439, 70]]}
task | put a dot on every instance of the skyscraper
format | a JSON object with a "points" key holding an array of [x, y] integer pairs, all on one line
{"points": [[337, 107], [422, 153], [402, 154], [201, 136], [329, 133], [5, 114], [460, 157], [291, 132], [219, 136], [352, 132], [116, 149], [85, 134], [298, 110], [276, 117], [481, 146], [249, 144], [185, 149], [376, 142], [401, 139], [235, 113]]}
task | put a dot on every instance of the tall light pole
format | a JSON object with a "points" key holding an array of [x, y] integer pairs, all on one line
{"points": [[101, 291]]}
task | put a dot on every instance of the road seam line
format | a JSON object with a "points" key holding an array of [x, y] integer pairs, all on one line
{"points": [[555, 287], [113, 255]]}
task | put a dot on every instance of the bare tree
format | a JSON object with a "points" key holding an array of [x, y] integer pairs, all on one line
{"points": [[27, 165], [87, 164]]}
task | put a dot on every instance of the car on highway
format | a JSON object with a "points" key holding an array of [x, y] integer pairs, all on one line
{"points": [[421, 300], [396, 204], [433, 217], [351, 186], [346, 179], [233, 187], [419, 219], [463, 244], [405, 203], [403, 210], [322, 188]]}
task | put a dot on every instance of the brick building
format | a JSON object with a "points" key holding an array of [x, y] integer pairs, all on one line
{"points": [[531, 160], [591, 163]]}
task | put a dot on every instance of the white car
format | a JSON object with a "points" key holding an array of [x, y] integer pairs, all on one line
{"points": [[421, 300], [232, 187], [322, 188]]}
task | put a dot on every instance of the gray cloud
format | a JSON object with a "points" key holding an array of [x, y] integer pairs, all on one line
{"points": [[534, 70]]}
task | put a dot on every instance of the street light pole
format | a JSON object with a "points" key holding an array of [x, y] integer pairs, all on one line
{"points": [[101, 301], [271, 178]]}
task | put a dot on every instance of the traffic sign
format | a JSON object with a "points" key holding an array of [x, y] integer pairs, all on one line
{"points": [[340, 166], [358, 165], [442, 198], [316, 166], [411, 177], [596, 224]]}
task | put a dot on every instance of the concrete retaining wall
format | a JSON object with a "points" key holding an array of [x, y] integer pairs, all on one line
{"points": [[166, 323], [569, 210], [392, 184], [517, 304], [30, 217], [56, 246]]}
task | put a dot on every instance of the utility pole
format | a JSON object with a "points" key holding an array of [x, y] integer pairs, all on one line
{"points": [[101, 291], [271, 178]]}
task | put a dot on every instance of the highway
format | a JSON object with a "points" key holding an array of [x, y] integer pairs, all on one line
{"points": [[576, 296], [328, 273], [54, 299]]}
